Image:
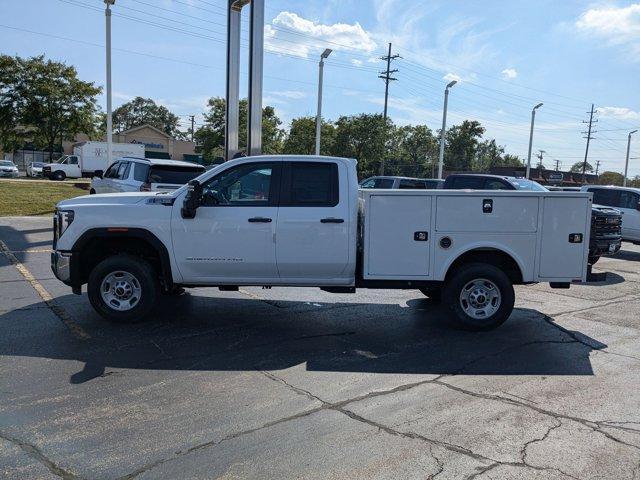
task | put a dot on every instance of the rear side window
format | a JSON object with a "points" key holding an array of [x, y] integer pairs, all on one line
{"points": [[464, 183], [606, 197], [383, 183], [311, 184], [412, 184], [171, 174], [432, 184], [140, 172], [629, 200]]}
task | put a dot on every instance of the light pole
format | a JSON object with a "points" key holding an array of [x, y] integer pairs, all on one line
{"points": [[107, 14], [444, 127], [533, 119], [324, 55], [626, 165]]}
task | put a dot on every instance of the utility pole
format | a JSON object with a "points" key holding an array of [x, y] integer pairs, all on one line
{"points": [[626, 165], [443, 130], [324, 55], [588, 134], [533, 121], [107, 15], [557, 164], [386, 76], [540, 165], [598, 162], [193, 120]]}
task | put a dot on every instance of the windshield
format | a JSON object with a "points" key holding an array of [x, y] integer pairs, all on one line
{"points": [[175, 175], [37, 164], [62, 159], [6, 163], [530, 185]]}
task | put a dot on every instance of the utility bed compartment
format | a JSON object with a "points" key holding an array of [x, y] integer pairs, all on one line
{"points": [[417, 234]]}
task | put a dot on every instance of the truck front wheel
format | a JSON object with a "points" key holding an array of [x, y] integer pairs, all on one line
{"points": [[123, 288], [480, 296], [59, 175]]}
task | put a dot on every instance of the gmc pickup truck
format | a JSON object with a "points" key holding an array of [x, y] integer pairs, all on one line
{"points": [[302, 221]]}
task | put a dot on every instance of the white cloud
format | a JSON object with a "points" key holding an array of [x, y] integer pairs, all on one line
{"points": [[449, 77], [356, 62], [620, 113], [293, 94], [509, 73], [282, 36], [617, 25]]}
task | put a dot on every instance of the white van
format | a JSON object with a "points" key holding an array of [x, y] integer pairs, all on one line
{"points": [[625, 199]]}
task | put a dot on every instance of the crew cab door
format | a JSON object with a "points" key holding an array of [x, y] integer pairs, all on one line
{"points": [[312, 232], [231, 240]]}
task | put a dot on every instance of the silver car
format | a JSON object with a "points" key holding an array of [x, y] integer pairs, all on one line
{"points": [[34, 169], [8, 169]]}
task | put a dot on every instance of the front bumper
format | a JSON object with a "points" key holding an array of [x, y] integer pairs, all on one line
{"points": [[605, 247], [9, 174], [61, 266]]}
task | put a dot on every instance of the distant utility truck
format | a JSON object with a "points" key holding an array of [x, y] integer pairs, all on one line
{"points": [[88, 157], [301, 221]]}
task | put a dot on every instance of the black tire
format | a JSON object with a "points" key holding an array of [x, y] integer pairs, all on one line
{"points": [[59, 175], [593, 260], [432, 293], [92, 192], [453, 291], [147, 282]]}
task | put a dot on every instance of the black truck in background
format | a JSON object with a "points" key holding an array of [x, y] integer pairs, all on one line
{"points": [[606, 222]]}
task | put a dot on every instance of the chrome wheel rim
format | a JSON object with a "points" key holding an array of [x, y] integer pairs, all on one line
{"points": [[480, 298], [121, 291]]}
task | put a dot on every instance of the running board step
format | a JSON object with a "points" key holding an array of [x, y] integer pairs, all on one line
{"points": [[339, 289]]}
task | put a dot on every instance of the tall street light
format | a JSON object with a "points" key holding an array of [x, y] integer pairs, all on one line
{"points": [[324, 55], [626, 165], [107, 14], [444, 127], [533, 119]]}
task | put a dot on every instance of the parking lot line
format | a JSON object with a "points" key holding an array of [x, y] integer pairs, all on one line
{"points": [[46, 297]]}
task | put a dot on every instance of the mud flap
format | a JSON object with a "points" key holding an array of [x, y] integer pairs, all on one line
{"points": [[595, 277]]}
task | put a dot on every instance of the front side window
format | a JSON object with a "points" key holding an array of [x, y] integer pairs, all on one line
{"points": [[73, 160], [468, 183], [629, 200], [605, 197], [495, 185], [249, 184], [122, 170], [112, 170]]}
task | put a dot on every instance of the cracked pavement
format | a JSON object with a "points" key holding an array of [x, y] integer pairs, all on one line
{"points": [[299, 383]]}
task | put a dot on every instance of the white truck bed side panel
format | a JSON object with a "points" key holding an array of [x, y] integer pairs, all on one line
{"points": [[392, 249], [464, 213], [560, 258]]}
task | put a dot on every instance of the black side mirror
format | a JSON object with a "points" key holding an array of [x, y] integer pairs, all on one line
{"points": [[98, 173], [192, 200]]}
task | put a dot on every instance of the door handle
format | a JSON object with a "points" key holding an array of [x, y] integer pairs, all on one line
{"points": [[332, 220], [260, 220]]}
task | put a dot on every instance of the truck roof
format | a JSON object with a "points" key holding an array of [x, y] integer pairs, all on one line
{"points": [[163, 161]]}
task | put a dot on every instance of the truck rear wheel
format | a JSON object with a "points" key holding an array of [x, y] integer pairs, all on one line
{"points": [[480, 296], [123, 288]]}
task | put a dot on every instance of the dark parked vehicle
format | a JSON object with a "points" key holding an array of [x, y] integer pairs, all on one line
{"points": [[606, 222]]}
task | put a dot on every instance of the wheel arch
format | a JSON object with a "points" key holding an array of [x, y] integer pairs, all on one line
{"points": [[96, 244], [495, 255]]}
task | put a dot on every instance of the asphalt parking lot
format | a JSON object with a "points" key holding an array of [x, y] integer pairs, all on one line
{"points": [[298, 383]]}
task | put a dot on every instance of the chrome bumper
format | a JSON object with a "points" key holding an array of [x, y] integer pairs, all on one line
{"points": [[61, 265]]}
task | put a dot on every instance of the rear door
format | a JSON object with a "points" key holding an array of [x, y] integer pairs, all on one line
{"points": [[628, 205], [312, 232]]}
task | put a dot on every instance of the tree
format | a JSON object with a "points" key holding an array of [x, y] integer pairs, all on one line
{"points": [[210, 137], [461, 145], [47, 98], [144, 111], [488, 155], [610, 178], [577, 167], [411, 151], [302, 137], [361, 137], [509, 160]]}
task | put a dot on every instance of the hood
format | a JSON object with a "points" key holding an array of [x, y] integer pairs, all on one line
{"points": [[108, 199], [603, 210]]}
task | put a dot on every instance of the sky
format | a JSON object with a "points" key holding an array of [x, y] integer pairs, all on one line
{"points": [[506, 55]]}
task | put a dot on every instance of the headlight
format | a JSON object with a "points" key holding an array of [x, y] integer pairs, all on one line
{"points": [[62, 220]]}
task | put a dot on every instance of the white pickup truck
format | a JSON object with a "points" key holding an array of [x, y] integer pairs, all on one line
{"points": [[302, 221]]}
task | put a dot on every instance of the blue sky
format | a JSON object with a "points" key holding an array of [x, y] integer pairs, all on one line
{"points": [[508, 56]]}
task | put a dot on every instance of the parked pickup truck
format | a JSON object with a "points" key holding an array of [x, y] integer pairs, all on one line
{"points": [[302, 221], [606, 222]]}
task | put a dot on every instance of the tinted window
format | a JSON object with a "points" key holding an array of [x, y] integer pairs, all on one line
{"points": [[122, 170], [530, 185], [312, 184], [629, 200], [245, 185], [177, 175], [493, 184], [432, 184], [383, 183], [413, 184], [112, 170], [141, 172], [606, 197], [73, 160], [473, 183]]}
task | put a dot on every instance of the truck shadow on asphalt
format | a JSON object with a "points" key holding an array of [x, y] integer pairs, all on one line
{"points": [[199, 333]]}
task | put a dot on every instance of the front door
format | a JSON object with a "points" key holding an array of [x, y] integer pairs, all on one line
{"points": [[314, 222], [231, 240]]}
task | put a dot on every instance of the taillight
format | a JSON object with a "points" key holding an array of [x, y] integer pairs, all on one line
{"points": [[145, 187]]}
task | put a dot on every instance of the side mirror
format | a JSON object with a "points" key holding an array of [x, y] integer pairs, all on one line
{"points": [[98, 173], [192, 200]]}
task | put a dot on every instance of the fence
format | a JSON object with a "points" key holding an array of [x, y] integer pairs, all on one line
{"points": [[22, 158]]}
